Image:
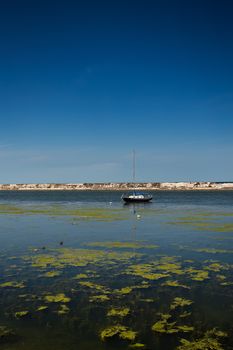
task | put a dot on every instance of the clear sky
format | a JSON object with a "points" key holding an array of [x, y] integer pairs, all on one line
{"points": [[82, 83]]}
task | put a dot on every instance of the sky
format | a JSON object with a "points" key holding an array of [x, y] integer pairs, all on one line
{"points": [[83, 83]]}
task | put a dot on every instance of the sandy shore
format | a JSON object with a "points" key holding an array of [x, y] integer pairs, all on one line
{"points": [[121, 186]]}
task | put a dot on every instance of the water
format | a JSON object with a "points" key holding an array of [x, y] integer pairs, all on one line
{"points": [[81, 270]]}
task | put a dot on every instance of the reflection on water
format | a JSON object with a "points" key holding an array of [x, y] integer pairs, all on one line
{"points": [[84, 271]]}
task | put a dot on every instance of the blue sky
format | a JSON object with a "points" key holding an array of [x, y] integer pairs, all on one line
{"points": [[82, 83]]}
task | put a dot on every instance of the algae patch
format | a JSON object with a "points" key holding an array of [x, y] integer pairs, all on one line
{"points": [[57, 298]]}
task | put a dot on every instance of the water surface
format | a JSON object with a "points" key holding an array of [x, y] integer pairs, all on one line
{"points": [[83, 270]]}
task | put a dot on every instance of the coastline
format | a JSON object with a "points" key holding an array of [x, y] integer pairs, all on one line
{"points": [[120, 186]]}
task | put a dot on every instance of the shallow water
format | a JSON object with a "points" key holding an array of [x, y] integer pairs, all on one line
{"points": [[81, 270]]}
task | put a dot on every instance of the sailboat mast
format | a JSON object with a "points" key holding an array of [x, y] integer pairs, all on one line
{"points": [[134, 169]]}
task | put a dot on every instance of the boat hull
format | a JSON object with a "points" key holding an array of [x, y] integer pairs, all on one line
{"points": [[137, 200]]}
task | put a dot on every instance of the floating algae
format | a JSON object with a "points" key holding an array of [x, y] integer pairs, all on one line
{"points": [[94, 286], [12, 284], [52, 274], [145, 271], [121, 245], [163, 326], [98, 214], [81, 276], [185, 314], [137, 346], [42, 308], [99, 298], [217, 267], [197, 275], [20, 314], [63, 309], [64, 257], [124, 290], [122, 312], [210, 341], [128, 335], [57, 298], [118, 330], [175, 284], [213, 251], [6, 335], [180, 302], [206, 221]]}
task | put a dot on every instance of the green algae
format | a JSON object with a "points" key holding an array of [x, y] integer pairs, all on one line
{"points": [[146, 271], [210, 341], [213, 251], [81, 276], [118, 330], [137, 346], [197, 275], [99, 298], [99, 214], [124, 290], [95, 286], [57, 298], [163, 326], [121, 312], [6, 334], [185, 314], [211, 221], [128, 335], [180, 302], [52, 274], [42, 308], [175, 284], [20, 314], [12, 284], [63, 257], [63, 309], [122, 245]]}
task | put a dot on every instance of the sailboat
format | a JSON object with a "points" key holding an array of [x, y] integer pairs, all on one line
{"points": [[136, 197]]}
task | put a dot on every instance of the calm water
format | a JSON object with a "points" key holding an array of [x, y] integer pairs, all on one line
{"points": [[81, 270]]}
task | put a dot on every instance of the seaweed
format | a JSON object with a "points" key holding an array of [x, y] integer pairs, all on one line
{"points": [[180, 302], [12, 284], [118, 330], [57, 298], [210, 341], [122, 245], [20, 314], [122, 312]]}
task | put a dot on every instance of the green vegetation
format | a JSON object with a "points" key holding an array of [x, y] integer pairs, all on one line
{"points": [[121, 245], [52, 274], [99, 298], [175, 284], [6, 334], [63, 309], [122, 312], [12, 284], [42, 308], [99, 214], [20, 314], [163, 326], [57, 298], [206, 221], [118, 330], [180, 302], [197, 275], [210, 341], [137, 346]]}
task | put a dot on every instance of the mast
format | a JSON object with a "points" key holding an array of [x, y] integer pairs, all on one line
{"points": [[134, 169]]}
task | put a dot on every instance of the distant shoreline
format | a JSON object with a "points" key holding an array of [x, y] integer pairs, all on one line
{"points": [[120, 186]]}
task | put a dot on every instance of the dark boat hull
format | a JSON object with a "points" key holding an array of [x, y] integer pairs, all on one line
{"points": [[136, 200]]}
